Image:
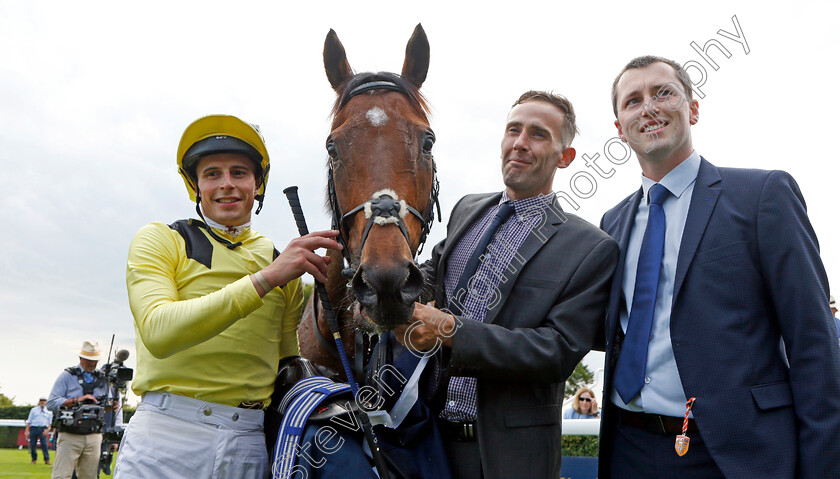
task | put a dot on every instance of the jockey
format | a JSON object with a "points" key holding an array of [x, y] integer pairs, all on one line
{"points": [[215, 308]]}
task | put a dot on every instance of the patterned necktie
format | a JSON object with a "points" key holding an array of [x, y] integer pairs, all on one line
{"points": [[630, 370], [502, 215]]}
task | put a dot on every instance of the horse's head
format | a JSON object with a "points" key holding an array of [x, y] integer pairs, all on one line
{"points": [[382, 182]]}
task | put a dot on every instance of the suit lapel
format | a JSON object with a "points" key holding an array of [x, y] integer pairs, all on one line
{"points": [[533, 243], [626, 219], [703, 201]]}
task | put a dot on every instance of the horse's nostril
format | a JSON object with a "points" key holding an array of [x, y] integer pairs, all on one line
{"points": [[413, 285], [364, 293]]}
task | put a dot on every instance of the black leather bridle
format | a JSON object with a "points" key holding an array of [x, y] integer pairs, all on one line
{"points": [[383, 209]]}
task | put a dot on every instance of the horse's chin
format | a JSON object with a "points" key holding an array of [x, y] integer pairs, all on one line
{"points": [[363, 321], [371, 322]]}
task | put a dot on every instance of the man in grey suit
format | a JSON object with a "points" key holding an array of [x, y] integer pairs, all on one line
{"points": [[520, 312]]}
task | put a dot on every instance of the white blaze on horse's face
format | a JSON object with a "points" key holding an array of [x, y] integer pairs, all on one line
{"points": [[377, 116]]}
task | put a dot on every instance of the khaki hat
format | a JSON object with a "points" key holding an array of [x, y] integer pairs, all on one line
{"points": [[831, 302], [42, 398], [90, 350]]}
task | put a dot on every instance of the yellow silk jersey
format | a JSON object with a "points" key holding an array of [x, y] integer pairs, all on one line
{"points": [[201, 329]]}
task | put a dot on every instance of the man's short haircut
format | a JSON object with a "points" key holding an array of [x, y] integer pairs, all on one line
{"points": [[562, 103], [643, 61]]}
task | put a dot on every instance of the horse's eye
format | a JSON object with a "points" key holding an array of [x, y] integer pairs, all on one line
{"points": [[428, 143], [331, 150]]}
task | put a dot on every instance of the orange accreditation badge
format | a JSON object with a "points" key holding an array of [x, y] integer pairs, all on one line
{"points": [[682, 440]]}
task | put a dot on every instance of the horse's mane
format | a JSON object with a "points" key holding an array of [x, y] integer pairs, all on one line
{"points": [[410, 89]]}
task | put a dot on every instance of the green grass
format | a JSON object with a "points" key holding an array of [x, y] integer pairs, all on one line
{"points": [[14, 463]]}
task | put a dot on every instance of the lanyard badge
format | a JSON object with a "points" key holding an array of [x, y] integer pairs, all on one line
{"points": [[682, 440]]}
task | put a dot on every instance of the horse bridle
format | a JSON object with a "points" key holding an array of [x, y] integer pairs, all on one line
{"points": [[385, 207]]}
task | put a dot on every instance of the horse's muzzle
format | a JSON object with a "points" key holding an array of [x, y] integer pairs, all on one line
{"points": [[387, 295]]}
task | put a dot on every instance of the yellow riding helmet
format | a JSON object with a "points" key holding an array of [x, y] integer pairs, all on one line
{"points": [[221, 134]]}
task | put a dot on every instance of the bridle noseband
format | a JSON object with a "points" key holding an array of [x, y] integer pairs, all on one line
{"points": [[385, 207]]}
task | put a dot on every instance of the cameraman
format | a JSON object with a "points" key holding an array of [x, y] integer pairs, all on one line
{"points": [[79, 442]]}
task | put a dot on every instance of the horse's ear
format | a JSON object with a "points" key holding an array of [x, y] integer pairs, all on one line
{"points": [[335, 61], [416, 63]]}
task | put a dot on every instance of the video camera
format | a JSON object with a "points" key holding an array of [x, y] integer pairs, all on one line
{"points": [[82, 419], [116, 373]]}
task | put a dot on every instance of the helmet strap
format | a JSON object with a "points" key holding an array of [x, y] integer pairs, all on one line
{"points": [[259, 198], [193, 184]]}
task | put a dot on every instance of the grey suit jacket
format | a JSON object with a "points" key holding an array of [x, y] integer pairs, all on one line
{"points": [[550, 304]]}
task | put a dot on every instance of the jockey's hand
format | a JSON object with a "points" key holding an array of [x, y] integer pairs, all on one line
{"points": [[298, 258], [429, 328]]}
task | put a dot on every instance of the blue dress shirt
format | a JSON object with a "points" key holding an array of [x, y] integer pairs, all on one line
{"points": [[662, 393]]}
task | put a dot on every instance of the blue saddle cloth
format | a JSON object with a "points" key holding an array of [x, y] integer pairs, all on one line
{"points": [[335, 448], [296, 407]]}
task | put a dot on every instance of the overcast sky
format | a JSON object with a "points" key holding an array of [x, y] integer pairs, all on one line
{"points": [[94, 97]]}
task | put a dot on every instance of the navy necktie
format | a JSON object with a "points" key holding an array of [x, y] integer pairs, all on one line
{"points": [[630, 370], [502, 215]]}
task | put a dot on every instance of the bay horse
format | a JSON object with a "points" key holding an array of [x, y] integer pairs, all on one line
{"points": [[382, 190]]}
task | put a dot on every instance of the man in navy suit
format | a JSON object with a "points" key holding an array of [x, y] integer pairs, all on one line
{"points": [[734, 314]]}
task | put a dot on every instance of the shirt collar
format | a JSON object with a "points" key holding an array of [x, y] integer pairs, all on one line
{"points": [[83, 369], [232, 231], [526, 208], [679, 179]]}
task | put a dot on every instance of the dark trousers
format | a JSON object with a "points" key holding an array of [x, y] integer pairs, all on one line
{"points": [[637, 453], [464, 459], [34, 434]]}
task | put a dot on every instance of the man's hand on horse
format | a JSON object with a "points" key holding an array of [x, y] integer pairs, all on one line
{"points": [[429, 328], [298, 258]]}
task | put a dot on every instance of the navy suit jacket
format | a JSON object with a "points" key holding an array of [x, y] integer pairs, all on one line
{"points": [[748, 275]]}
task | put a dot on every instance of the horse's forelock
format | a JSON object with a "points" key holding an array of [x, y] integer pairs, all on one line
{"points": [[411, 90]]}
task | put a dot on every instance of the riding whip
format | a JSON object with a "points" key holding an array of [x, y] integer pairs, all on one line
{"points": [[294, 202]]}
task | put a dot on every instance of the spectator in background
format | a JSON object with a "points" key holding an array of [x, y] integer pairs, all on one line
{"points": [[584, 406], [38, 427], [833, 305]]}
